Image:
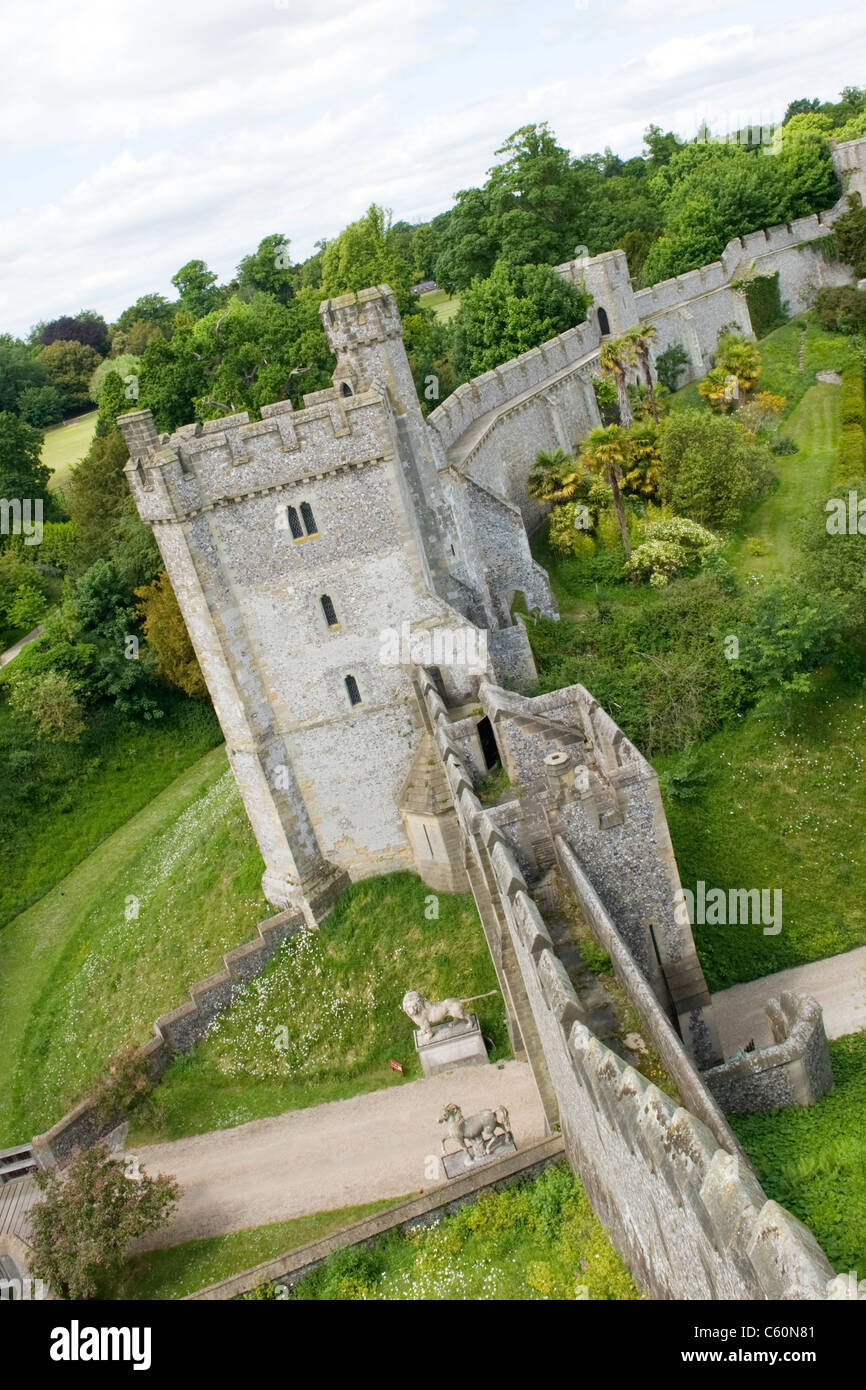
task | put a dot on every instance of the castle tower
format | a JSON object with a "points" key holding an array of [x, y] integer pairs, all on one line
{"points": [[310, 552]]}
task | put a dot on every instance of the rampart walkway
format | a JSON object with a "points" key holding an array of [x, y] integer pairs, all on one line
{"points": [[837, 982]]}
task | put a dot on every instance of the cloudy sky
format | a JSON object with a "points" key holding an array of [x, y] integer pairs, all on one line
{"points": [[138, 136]]}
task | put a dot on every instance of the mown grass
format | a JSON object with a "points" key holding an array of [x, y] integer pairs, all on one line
{"points": [[65, 444], [784, 806], [60, 801], [179, 1270], [85, 971], [767, 544], [443, 304], [813, 1160], [324, 1019], [536, 1241]]}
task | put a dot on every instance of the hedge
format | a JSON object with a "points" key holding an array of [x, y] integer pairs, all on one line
{"points": [[853, 395], [851, 457]]}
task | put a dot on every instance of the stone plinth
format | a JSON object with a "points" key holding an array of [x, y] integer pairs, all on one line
{"points": [[453, 1045], [457, 1164]]}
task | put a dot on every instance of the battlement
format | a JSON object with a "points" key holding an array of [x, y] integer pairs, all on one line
{"points": [[504, 385], [202, 465], [360, 319]]}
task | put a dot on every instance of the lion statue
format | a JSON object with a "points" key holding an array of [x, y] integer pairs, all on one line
{"points": [[425, 1015], [477, 1134]]}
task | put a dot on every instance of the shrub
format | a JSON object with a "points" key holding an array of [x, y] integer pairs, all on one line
{"points": [[671, 364], [671, 548], [840, 309], [710, 467], [50, 701], [783, 445]]}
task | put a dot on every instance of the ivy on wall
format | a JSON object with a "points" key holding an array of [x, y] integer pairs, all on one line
{"points": [[765, 304]]}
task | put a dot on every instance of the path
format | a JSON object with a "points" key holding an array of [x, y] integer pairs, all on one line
{"points": [[340, 1154], [11, 652], [838, 983]]}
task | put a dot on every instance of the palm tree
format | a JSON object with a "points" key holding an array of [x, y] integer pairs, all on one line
{"points": [[640, 337], [615, 358], [554, 477], [605, 452]]}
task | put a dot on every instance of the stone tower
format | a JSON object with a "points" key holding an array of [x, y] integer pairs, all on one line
{"points": [[312, 553]]}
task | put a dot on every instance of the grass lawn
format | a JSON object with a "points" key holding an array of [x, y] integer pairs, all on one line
{"points": [[783, 807], [324, 1020], [67, 443], [813, 1161], [63, 800], [84, 972], [443, 304], [182, 1269], [538, 1240], [768, 544]]}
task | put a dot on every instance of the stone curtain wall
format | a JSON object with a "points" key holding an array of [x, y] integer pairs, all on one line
{"points": [[495, 424], [174, 1032], [685, 1212]]}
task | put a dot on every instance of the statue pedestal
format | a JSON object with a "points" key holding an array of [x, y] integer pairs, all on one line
{"points": [[452, 1045], [459, 1163]]}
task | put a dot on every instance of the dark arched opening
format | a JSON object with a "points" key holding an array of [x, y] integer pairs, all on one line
{"points": [[603, 322], [345, 388], [489, 746]]}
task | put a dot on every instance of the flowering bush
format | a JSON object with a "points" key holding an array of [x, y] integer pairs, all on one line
{"points": [[671, 548]]}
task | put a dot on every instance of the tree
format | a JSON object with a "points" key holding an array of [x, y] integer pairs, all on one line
{"points": [[605, 453], [149, 308], [22, 472], [268, 269], [367, 253], [87, 328], [197, 289], [89, 1217], [850, 233], [95, 495], [467, 250], [671, 364], [70, 366], [41, 406], [20, 371], [615, 358], [513, 310], [533, 214], [50, 701], [168, 642], [710, 467], [640, 339], [553, 477]]}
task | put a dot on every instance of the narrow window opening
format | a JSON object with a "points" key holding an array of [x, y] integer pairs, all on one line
{"points": [[346, 389], [329, 611], [295, 526], [309, 519], [352, 691]]}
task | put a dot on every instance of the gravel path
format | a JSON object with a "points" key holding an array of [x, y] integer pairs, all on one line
{"points": [[838, 983], [341, 1154]]}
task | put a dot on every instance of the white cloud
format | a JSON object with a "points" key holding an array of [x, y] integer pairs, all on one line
{"points": [[201, 127]]}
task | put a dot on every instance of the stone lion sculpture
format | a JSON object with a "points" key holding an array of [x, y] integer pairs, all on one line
{"points": [[425, 1014], [475, 1134]]}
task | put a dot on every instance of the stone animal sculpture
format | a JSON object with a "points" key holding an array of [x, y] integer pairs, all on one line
{"points": [[475, 1131], [425, 1014]]}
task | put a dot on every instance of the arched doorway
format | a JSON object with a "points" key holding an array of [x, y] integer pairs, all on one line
{"points": [[603, 323], [489, 747]]}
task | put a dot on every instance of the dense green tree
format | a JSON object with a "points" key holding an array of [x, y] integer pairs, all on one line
{"points": [[105, 520], [70, 366], [850, 233], [169, 649], [197, 289], [149, 308], [467, 250], [268, 269], [530, 196], [41, 405], [514, 309], [22, 472], [20, 369], [87, 1220], [710, 467], [367, 253]]}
